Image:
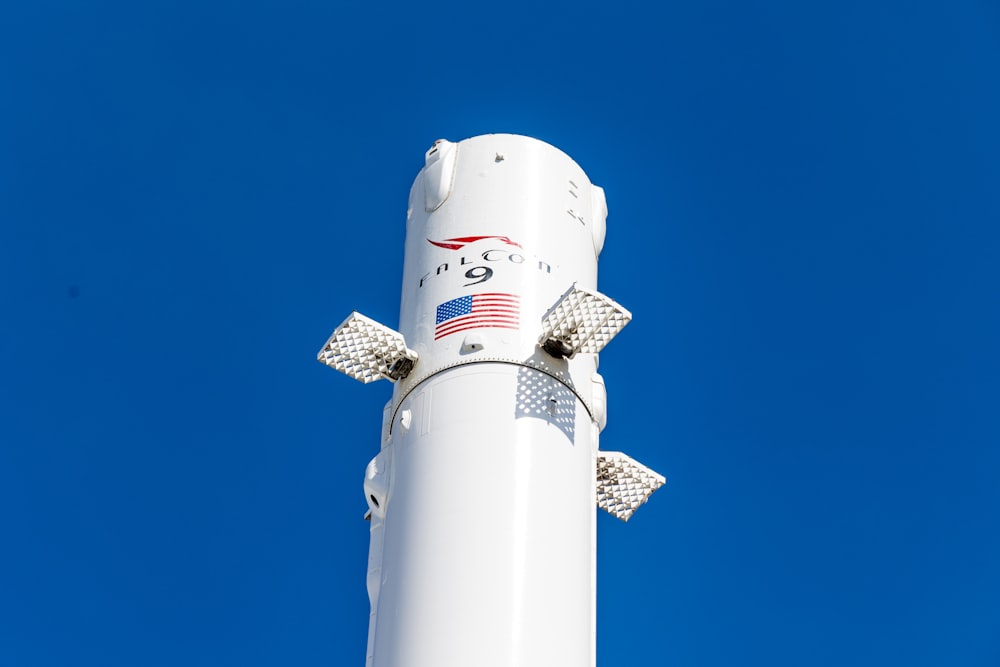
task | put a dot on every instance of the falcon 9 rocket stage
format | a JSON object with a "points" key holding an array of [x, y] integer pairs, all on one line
{"points": [[482, 497]]}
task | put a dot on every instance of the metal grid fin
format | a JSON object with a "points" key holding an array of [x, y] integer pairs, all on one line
{"points": [[584, 320], [623, 484], [366, 350]]}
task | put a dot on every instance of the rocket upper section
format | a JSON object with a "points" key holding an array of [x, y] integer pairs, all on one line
{"points": [[503, 233], [498, 228]]}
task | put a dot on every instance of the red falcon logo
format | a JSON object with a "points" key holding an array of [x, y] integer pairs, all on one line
{"points": [[457, 243]]}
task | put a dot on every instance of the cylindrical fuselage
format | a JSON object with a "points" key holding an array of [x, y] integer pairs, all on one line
{"points": [[482, 498]]}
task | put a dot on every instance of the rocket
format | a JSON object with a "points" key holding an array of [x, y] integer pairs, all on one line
{"points": [[482, 496]]}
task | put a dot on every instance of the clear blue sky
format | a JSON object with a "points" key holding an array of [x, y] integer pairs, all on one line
{"points": [[804, 212]]}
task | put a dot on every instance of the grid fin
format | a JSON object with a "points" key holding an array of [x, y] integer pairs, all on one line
{"points": [[367, 351], [582, 320], [623, 484]]}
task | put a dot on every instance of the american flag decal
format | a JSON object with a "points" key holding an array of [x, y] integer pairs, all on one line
{"points": [[478, 311]]}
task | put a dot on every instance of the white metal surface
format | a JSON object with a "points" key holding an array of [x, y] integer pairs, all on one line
{"points": [[487, 550], [482, 498]]}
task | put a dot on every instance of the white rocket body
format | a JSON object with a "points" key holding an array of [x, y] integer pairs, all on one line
{"points": [[482, 498]]}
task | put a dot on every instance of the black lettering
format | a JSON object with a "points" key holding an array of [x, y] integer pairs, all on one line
{"points": [[483, 273]]}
